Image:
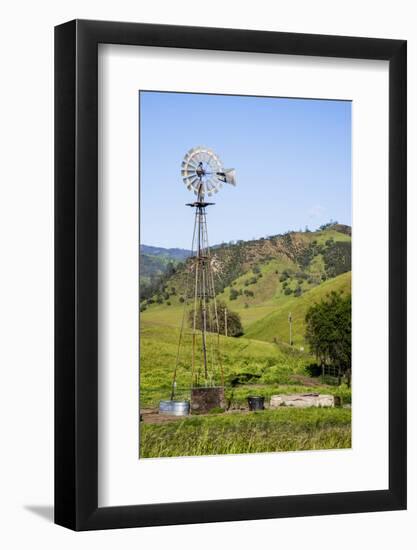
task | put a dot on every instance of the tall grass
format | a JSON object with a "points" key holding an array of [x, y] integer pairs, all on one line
{"points": [[284, 429]]}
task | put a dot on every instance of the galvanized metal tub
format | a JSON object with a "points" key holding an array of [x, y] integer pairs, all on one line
{"points": [[174, 408]]}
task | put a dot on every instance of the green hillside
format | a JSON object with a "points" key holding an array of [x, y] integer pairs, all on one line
{"points": [[155, 261], [275, 325], [263, 280], [320, 253]]}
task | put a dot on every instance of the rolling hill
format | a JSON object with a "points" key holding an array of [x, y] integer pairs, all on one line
{"points": [[264, 280], [174, 254], [154, 261]]}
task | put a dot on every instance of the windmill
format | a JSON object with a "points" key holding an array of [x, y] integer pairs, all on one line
{"points": [[203, 173]]}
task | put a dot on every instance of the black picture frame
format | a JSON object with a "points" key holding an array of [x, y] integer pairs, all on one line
{"points": [[76, 272]]}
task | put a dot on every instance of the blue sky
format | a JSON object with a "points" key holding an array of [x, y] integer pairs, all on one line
{"points": [[292, 159]]}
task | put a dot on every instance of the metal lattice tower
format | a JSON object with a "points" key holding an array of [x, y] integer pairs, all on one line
{"points": [[203, 173]]}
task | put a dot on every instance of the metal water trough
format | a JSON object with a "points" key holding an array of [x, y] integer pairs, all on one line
{"points": [[174, 408]]}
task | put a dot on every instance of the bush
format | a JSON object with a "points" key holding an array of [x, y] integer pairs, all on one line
{"points": [[233, 294], [287, 291], [298, 291], [234, 323], [313, 370]]}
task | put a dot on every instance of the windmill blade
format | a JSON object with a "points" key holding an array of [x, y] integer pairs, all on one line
{"points": [[194, 184], [214, 182], [188, 168], [190, 163], [188, 173], [209, 185], [190, 177]]}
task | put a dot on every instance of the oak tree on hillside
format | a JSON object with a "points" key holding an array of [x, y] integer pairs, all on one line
{"points": [[329, 331]]}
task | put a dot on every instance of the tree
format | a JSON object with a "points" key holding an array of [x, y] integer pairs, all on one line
{"points": [[329, 331], [234, 323]]}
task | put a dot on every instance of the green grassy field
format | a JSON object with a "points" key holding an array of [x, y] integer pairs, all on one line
{"points": [[284, 429], [271, 368]]}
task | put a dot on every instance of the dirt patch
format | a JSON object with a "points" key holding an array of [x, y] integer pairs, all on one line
{"points": [[307, 381], [152, 416]]}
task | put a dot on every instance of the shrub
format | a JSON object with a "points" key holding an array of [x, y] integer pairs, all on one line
{"points": [[234, 323], [233, 294]]}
